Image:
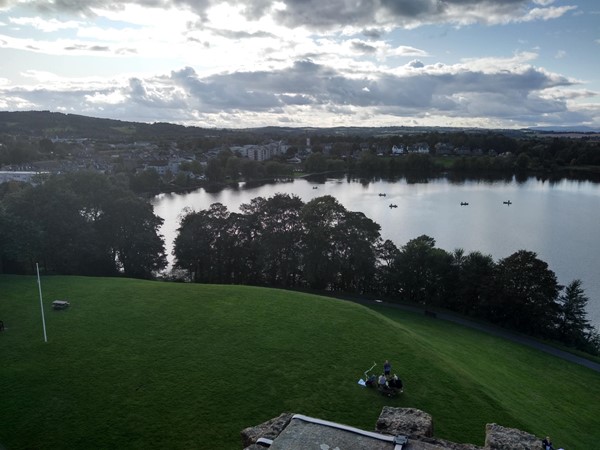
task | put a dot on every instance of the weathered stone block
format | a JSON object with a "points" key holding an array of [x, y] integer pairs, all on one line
{"points": [[407, 421], [269, 429], [498, 437]]}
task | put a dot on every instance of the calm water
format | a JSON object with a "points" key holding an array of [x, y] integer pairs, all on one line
{"points": [[560, 221]]}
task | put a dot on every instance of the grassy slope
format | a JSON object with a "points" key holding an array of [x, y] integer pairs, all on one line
{"points": [[137, 364]]}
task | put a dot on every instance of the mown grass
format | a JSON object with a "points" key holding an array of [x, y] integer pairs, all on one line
{"points": [[139, 364]]}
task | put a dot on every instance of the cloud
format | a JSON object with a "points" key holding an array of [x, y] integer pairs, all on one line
{"points": [[416, 64], [64, 46], [91, 48], [333, 14], [44, 25], [241, 34], [404, 50], [317, 14], [560, 54], [362, 47], [373, 33], [546, 13], [314, 94]]}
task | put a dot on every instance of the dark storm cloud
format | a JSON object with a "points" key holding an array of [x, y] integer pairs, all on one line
{"points": [[363, 47], [413, 8], [330, 14], [373, 33], [460, 93]]}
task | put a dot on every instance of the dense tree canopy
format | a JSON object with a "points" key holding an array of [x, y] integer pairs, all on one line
{"points": [[80, 223], [280, 241], [526, 294]]}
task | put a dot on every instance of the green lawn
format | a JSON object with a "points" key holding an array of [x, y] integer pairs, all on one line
{"points": [[138, 364]]}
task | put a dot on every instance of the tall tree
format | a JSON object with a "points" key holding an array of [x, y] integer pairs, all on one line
{"points": [[572, 325], [198, 246], [423, 271], [278, 237], [321, 218], [475, 283], [387, 279], [358, 241], [526, 295], [135, 243]]}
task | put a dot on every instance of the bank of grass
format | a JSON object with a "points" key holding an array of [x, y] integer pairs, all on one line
{"points": [[138, 364]]}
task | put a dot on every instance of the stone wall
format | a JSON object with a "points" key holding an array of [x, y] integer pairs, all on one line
{"points": [[411, 422]]}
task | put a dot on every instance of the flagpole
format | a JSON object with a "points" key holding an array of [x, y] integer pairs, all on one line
{"points": [[37, 268]]}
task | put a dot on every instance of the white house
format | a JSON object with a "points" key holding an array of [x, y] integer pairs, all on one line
{"points": [[398, 150]]}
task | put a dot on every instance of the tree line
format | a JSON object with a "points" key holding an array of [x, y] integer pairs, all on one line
{"points": [[82, 223], [86, 223], [283, 242]]}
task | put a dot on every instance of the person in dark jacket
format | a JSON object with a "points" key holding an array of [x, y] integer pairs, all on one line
{"points": [[547, 444]]}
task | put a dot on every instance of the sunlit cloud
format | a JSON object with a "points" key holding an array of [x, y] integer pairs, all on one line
{"points": [[46, 25], [309, 62]]}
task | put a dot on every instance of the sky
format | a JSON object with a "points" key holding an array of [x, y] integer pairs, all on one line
{"points": [[322, 63]]}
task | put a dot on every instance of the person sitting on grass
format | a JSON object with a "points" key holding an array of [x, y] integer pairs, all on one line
{"points": [[396, 382], [371, 380], [382, 381], [547, 444]]}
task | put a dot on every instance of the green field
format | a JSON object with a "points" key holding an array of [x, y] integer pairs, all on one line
{"points": [[140, 364]]}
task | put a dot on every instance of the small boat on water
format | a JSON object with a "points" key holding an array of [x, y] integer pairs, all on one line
{"points": [[508, 202], [464, 203], [393, 206]]}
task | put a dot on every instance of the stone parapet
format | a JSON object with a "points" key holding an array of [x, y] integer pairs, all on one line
{"points": [[296, 432]]}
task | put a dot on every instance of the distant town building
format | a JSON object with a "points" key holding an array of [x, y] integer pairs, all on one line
{"points": [[260, 152], [421, 147], [22, 176], [398, 150]]}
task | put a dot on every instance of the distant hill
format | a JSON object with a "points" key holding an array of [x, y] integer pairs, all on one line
{"points": [[55, 124], [566, 129]]}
